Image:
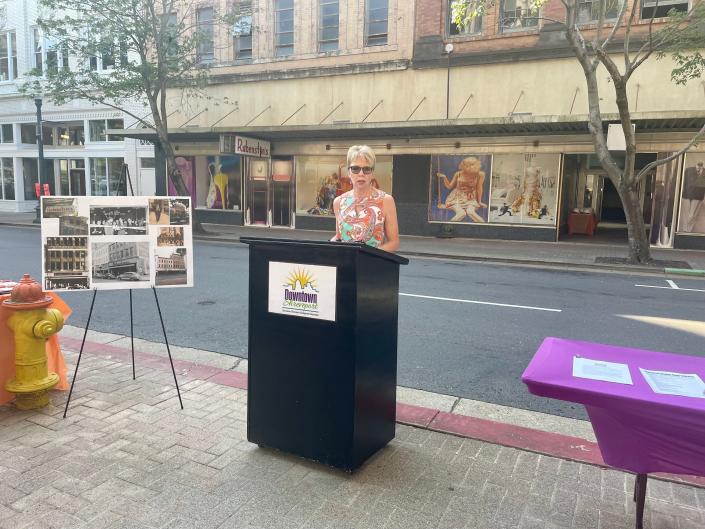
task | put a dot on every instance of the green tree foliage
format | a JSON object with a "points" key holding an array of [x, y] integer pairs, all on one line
{"points": [[126, 53], [597, 46]]}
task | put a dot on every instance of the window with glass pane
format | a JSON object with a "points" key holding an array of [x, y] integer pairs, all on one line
{"points": [[7, 190], [172, 26], [115, 124], [31, 177], [242, 31], [661, 8], [64, 185], [99, 177], [206, 47], [77, 135], [97, 130], [28, 133], [589, 10], [37, 48], [52, 56], [47, 136], [517, 15], [148, 163], [13, 55], [470, 27], [8, 135], [376, 22], [328, 25], [114, 170], [284, 27], [5, 74]]}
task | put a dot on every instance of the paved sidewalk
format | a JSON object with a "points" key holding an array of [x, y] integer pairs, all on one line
{"points": [[128, 457], [561, 254]]}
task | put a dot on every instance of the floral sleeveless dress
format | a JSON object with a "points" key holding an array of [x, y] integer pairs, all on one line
{"points": [[362, 220]]}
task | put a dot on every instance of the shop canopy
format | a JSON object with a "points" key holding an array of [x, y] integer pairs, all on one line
{"points": [[519, 125]]}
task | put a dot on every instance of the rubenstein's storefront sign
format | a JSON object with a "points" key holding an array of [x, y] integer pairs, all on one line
{"points": [[303, 290], [233, 144]]}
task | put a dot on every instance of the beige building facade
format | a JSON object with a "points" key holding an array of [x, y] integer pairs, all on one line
{"points": [[508, 94]]}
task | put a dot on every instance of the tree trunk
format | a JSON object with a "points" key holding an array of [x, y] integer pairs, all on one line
{"points": [[639, 250]]}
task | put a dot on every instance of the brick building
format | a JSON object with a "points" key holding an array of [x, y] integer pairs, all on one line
{"points": [[505, 103]]}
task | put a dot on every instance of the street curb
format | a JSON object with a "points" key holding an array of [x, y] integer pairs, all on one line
{"points": [[595, 267], [684, 272], [519, 437]]}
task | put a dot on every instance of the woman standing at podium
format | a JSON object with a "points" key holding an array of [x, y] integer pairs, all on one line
{"points": [[365, 214]]}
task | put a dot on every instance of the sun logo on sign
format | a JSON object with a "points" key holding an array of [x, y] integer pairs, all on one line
{"points": [[300, 279]]}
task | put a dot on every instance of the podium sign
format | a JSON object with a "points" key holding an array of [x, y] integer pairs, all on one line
{"points": [[303, 290]]}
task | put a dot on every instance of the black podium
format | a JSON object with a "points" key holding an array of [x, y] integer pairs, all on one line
{"points": [[322, 385]]}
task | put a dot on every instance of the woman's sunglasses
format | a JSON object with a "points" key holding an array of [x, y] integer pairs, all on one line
{"points": [[355, 169]]}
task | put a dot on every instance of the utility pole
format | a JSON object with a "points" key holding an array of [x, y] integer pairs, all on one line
{"points": [[40, 156]]}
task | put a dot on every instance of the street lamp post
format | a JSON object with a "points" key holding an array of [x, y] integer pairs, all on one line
{"points": [[40, 156]]}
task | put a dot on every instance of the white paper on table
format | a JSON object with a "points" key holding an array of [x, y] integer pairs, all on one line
{"points": [[669, 383], [601, 370]]}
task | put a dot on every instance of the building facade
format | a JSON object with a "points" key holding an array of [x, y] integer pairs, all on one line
{"points": [[80, 157], [479, 131]]}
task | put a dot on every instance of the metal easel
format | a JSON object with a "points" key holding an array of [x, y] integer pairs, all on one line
{"points": [[125, 178]]}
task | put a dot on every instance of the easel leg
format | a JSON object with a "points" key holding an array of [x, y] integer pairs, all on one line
{"points": [[640, 498], [166, 341], [80, 352], [132, 338]]}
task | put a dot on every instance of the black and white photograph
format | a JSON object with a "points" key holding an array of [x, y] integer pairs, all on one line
{"points": [[57, 207], [179, 211], [119, 220], [97, 230], [69, 225], [171, 266], [66, 263], [120, 264], [159, 211], [171, 236]]}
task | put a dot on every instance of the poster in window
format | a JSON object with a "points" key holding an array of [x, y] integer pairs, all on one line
{"points": [[186, 165], [525, 189], [319, 179], [460, 188], [692, 213]]}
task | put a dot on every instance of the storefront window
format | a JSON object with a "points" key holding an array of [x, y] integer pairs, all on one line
{"points": [[524, 189], [7, 179], [460, 188], [30, 176], [319, 179], [105, 176], [692, 213], [221, 183], [187, 168], [7, 133]]}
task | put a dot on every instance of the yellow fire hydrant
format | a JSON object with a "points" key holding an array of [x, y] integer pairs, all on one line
{"points": [[32, 324]]}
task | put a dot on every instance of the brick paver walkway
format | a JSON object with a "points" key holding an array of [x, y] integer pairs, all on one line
{"points": [[128, 457]]}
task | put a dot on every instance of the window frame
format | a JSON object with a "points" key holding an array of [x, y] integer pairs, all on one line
{"points": [[369, 21], [475, 32], [3, 135], [533, 16], [3, 184], [205, 52], [243, 52], [106, 138], [43, 48], [287, 49], [593, 20], [10, 38], [662, 3], [322, 42]]}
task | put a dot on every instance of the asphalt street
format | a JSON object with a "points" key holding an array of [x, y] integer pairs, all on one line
{"points": [[465, 329]]}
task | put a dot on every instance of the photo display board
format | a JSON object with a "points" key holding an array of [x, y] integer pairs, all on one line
{"points": [[110, 243]]}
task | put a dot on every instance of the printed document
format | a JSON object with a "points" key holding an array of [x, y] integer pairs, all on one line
{"points": [[601, 370], [668, 383]]}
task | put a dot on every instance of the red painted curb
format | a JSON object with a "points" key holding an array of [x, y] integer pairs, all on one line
{"points": [[547, 443]]}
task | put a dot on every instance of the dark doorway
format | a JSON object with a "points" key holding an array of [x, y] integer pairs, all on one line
{"points": [[612, 210]]}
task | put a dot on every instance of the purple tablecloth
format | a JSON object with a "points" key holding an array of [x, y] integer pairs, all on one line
{"points": [[637, 429]]}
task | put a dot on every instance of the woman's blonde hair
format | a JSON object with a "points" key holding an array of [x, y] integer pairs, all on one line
{"points": [[361, 150]]}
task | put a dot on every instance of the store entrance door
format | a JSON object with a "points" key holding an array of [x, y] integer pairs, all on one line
{"points": [[269, 192]]}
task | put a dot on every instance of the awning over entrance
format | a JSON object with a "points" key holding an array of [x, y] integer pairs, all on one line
{"points": [[519, 125]]}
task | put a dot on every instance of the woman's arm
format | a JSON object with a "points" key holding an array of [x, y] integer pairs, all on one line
{"points": [[391, 225], [336, 210]]}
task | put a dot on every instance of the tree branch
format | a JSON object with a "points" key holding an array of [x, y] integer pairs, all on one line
{"points": [[673, 156]]}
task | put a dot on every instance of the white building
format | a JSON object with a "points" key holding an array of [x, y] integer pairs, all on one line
{"points": [[81, 159]]}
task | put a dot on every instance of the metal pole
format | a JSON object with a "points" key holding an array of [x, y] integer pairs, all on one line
{"points": [[80, 352], [40, 156]]}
